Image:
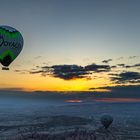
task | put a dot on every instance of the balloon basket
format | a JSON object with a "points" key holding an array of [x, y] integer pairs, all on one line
{"points": [[5, 68]]}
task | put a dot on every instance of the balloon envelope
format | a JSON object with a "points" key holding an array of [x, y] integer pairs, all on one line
{"points": [[11, 44], [106, 120]]}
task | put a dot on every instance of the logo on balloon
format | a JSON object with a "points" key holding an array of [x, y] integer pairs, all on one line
{"points": [[8, 43]]}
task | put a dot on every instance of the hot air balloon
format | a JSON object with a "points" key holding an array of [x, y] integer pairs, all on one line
{"points": [[106, 120], [11, 44]]}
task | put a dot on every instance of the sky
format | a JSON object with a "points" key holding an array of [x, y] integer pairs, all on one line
{"points": [[73, 45]]}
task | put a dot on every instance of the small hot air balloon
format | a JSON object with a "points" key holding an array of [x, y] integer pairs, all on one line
{"points": [[106, 120], [11, 44]]}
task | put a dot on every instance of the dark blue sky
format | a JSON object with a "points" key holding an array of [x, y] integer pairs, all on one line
{"points": [[95, 28]]}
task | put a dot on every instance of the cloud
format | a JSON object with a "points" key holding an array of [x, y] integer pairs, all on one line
{"points": [[113, 67], [12, 89], [121, 65], [132, 57], [129, 91], [66, 72], [98, 68], [21, 71], [37, 57], [129, 66], [132, 66], [69, 72], [120, 58], [126, 77], [136, 65], [35, 72], [107, 61]]}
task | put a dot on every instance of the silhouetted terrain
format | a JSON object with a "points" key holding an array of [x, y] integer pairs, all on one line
{"points": [[28, 116]]}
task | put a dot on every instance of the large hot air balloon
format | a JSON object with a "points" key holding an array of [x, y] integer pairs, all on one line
{"points": [[11, 44]]}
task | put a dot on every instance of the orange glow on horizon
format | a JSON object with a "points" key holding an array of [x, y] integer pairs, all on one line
{"points": [[74, 101], [30, 82], [118, 100]]}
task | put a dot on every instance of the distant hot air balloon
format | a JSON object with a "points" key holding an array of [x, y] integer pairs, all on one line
{"points": [[11, 44], [106, 120]]}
